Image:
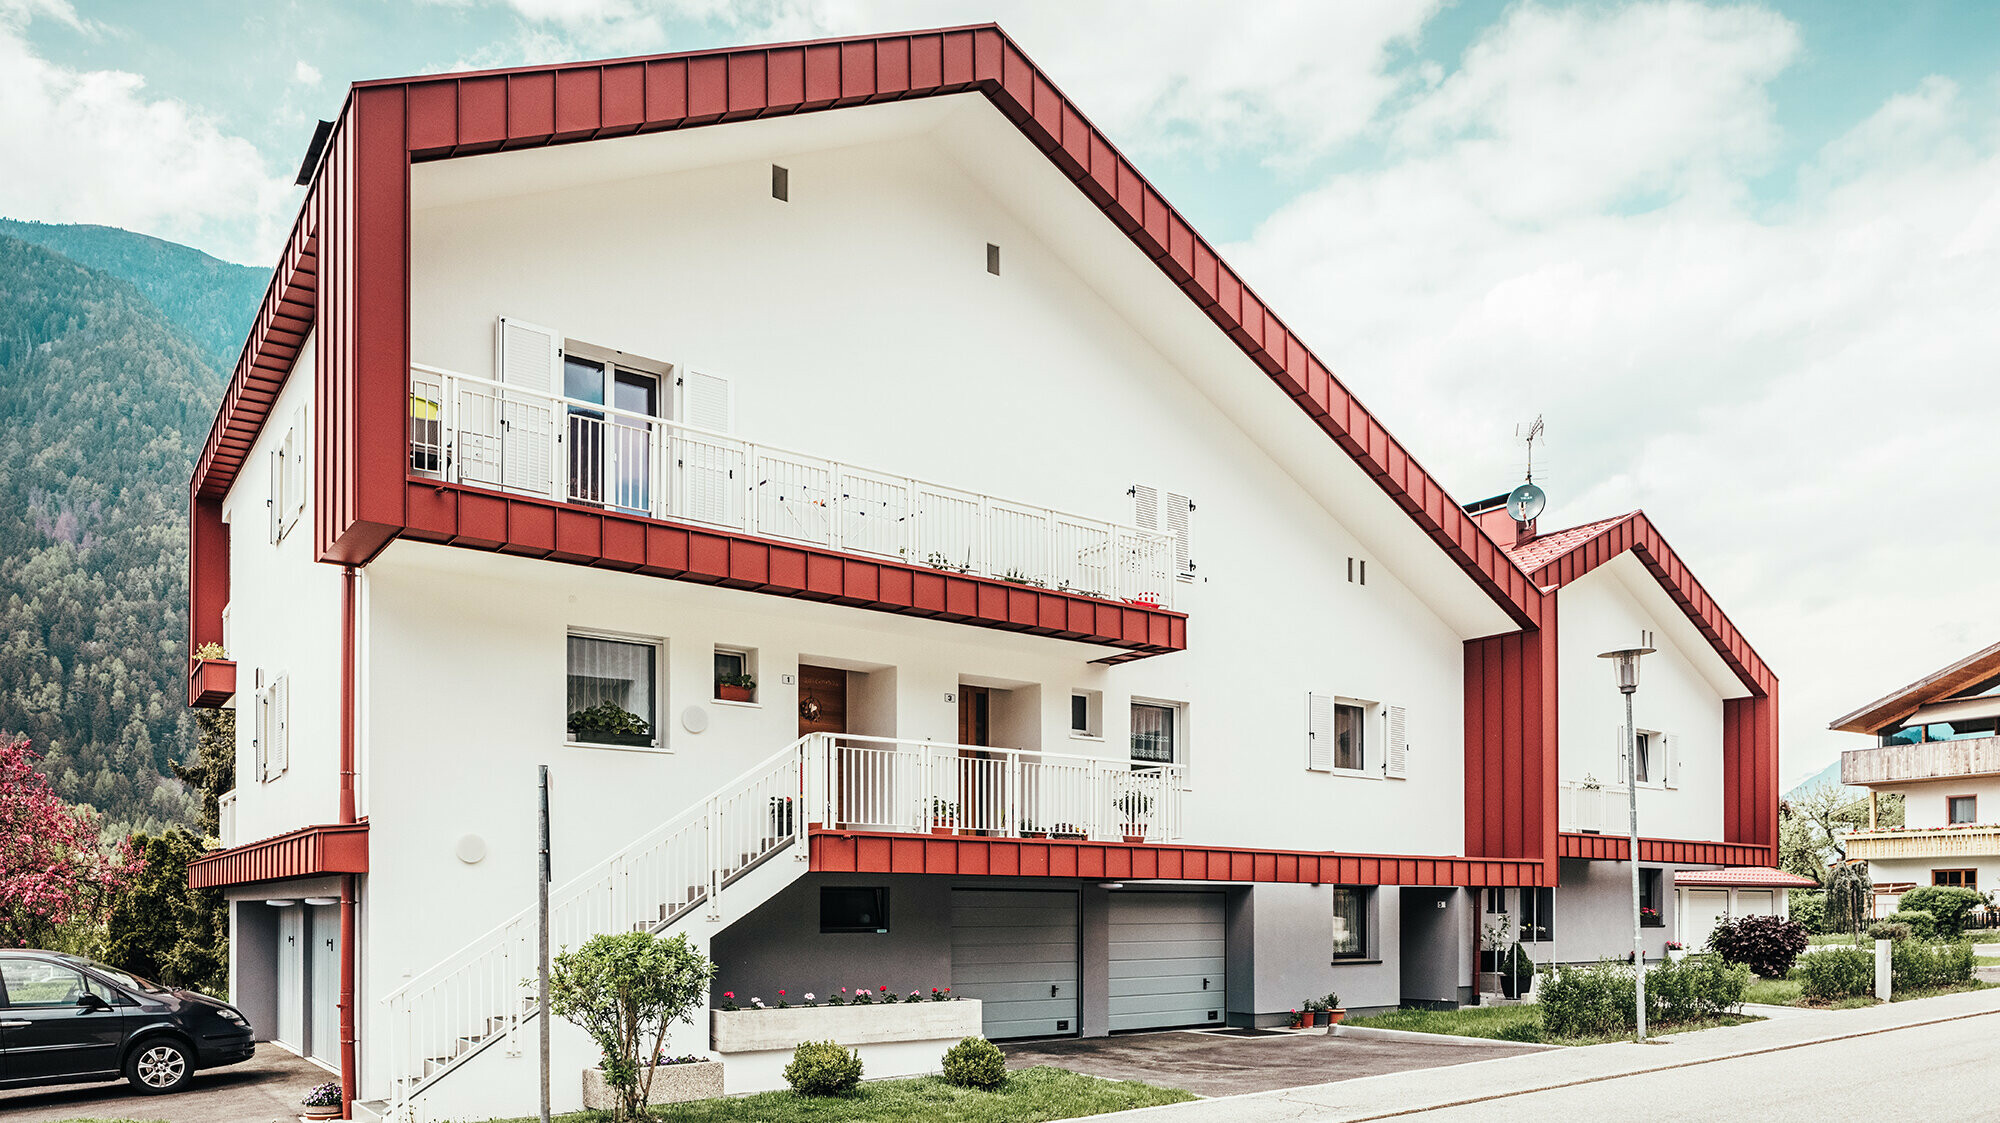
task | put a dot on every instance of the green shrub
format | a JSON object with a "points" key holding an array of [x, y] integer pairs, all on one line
{"points": [[823, 1068], [1831, 974], [1951, 905], [626, 991], [1923, 925], [975, 1063], [1889, 930], [1808, 907], [1770, 946], [1915, 965], [1697, 988], [1594, 1001]]}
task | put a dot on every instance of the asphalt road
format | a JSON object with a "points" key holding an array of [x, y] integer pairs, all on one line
{"points": [[264, 1089], [1947, 1071]]}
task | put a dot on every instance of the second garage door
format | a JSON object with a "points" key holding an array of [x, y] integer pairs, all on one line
{"points": [[1701, 911], [1016, 951], [1166, 960]]}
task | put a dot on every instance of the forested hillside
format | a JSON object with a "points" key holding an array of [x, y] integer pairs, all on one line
{"points": [[104, 401]]}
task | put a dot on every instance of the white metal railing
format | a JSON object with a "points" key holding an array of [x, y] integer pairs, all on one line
{"points": [[467, 429], [887, 784], [225, 812], [1584, 805], [479, 992]]}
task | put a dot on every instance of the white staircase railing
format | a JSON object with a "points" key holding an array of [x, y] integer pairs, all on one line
{"points": [[480, 993]]}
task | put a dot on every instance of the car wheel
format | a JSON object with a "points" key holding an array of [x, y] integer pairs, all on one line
{"points": [[160, 1065]]}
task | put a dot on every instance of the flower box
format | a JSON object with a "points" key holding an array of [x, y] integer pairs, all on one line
{"points": [[211, 682], [697, 1080], [736, 693], [745, 1031]]}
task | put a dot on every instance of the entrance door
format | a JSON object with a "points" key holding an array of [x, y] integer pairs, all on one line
{"points": [[291, 977], [822, 700], [1701, 910], [1166, 960], [1016, 951], [978, 797], [323, 977]]}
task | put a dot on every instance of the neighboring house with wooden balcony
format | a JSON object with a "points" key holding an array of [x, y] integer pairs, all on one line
{"points": [[1938, 745], [917, 557]]}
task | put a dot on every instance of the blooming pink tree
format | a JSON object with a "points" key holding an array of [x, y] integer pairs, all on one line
{"points": [[52, 868]]}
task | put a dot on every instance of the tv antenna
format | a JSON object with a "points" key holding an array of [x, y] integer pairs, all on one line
{"points": [[1527, 501]]}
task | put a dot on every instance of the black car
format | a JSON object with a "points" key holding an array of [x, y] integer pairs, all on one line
{"points": [[64, 1018]]}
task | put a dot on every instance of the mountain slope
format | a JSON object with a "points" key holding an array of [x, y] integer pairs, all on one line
{"points": [[210, 299], [103, 404]]}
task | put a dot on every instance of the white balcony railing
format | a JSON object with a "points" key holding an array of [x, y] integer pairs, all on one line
{"points": [[1593, 807], [471, 430], [1966, 840], [225, 807]]}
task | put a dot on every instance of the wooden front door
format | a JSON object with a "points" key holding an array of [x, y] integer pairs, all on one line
{"points": [[822, 700], [975, 727]]}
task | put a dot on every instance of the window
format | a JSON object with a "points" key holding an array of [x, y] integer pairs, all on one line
{"points": [[853, 908], [1350, 923], [611, 691], [1086, 713], [1350, 724], [1965, 879], [735, 675], [1496, 900], [1652, 914], [1538, 915], [1642, 748], [287, 498], [1962, 809], [1153, 733], [36, 982]]}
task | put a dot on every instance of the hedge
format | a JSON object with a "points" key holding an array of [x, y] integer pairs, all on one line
{"points": [[1599, 1000], [1952, 905], [1834, 973], [1914, 965]]}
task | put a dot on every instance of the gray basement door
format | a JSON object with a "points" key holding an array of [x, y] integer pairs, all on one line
{"points": [[1016, 951], [1166, 960]]}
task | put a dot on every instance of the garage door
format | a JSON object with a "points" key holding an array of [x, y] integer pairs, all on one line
{"points": [[1016, 951], [1166, 960], [1701, 911], [1755, 902]]}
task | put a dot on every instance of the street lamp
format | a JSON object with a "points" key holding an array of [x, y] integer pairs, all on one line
{"points": [[1625, 661]]}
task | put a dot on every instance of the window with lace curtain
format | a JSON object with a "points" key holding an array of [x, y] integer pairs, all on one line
{"points": [[611, 692], [1153, 733]]}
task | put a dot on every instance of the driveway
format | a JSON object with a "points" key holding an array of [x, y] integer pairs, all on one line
{"points": [[1210, 1064], [264, 1088]]}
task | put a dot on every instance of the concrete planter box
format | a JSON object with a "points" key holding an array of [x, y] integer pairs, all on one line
{"points": [[750, 1031], [671, 1084]]}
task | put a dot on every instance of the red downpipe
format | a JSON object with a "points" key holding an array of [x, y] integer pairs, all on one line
{"points": [[348, 1071]]}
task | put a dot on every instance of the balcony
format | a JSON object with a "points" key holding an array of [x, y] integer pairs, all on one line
{"points": [[880, 784], [478, 432], [1935, 760], [1592, 808], [1968, 840]]}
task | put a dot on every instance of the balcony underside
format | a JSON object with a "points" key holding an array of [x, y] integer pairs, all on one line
{"points": [[873, 852], [1618, 848], [457, 515]]}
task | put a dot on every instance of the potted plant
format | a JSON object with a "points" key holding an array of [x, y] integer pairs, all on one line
{"points": [[1133, 808], [1068, 831], [1492, 937], [322, 1102], [736, 688], [608, 723], [211, 676], [1335, 1012], [944, 816], [1032, 829], [1676, 950], [1517, 971]]}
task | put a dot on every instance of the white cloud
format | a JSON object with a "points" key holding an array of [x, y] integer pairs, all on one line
{"points": [[103, 151], [306, 73], [1801, 394]]}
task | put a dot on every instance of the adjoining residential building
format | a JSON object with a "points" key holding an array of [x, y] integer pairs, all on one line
{"points": [[919, 560], [1938, 745]]}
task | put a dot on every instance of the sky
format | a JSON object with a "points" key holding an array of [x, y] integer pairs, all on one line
{"points": [[1744, 259]]}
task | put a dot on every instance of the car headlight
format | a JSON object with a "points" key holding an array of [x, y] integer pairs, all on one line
{"points": [[232, 1017]]}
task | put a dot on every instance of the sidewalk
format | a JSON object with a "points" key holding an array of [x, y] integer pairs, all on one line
{"points": [[1379, 1097]]}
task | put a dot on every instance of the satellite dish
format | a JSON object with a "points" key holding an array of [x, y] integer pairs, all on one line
{"points": [[1525, 502]]}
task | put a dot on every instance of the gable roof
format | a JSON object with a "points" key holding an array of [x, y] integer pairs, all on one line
{"points": [[1899, 704], [442, 116], [1560, 557]]}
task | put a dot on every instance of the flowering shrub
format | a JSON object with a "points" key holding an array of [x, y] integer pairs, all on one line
{"points": [[859, 996], [323, 1095], [729, 1000]]}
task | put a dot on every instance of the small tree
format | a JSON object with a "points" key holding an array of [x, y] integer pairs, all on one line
{"points": [[161, 929], [52, 868], [1847, 892], [1769, 945], [626, 990]]}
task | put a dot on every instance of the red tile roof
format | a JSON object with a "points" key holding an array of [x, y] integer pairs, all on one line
{"points": [[1753, 877], [1538, 552]]}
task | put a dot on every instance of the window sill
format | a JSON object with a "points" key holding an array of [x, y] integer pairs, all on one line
{"points": [[1356, 963], [1097, 737], [737, 705], [657, 750], [1355, 773]]}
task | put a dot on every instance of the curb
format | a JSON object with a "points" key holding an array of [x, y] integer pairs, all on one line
{"points": [[1373, 1033]]}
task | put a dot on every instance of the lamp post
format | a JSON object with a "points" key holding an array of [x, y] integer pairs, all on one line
{"points": [[1625, 661]]}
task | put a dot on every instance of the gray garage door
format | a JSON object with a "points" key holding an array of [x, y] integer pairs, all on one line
{"points": [[1166, 960], [1016, 951]]}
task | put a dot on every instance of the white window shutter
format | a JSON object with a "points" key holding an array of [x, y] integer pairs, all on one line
{"points": [[1319, 732], [708, 401], [295, 483], [1180, 520], [276, 489], [1396, 759], [260, 732], [1673, 748], [280, 754], [530, 356], [1624, 756], [1145, 507]]}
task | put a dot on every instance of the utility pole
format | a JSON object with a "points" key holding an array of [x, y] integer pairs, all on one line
{"points": [[542, 944], [1625, 662]]}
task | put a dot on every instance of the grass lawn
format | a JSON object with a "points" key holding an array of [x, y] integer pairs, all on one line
{"points": [[1510, 1023], [1030, 1095], [1986, 961]]}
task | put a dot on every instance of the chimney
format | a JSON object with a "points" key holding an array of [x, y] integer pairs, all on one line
{"points": [[1492, 517]]}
